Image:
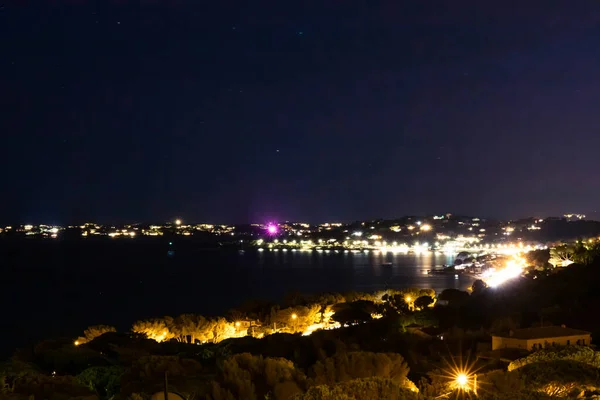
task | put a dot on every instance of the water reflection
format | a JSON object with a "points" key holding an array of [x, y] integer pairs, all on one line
{"points": [[366, 270]]}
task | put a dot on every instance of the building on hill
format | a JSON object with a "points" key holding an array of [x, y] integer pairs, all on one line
{"points": [[537, 338]]}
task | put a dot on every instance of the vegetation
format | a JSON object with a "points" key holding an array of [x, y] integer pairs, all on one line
{"points": [[580, 354], [365, 388], [298, 315]]}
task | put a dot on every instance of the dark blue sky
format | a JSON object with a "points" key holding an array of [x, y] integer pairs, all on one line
{"points": [[332, 110]]}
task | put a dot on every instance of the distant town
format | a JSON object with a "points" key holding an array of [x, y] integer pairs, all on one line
{"points": [[491, 250], [437, 232]]}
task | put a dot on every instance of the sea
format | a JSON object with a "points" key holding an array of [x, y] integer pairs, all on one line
{"points": [[53, 288]]}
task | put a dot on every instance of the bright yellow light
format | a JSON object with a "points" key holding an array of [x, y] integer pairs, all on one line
{"points": [[294, 316], [177, 222], [237, 324], [513, 269], [425, 227], [76, 343], [408, 299], [462, 380]]}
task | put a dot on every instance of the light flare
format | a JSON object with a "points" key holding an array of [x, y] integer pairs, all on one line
{"points": [[513, 269]]}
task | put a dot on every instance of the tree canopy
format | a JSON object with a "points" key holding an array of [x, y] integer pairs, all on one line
{"points": [[359, 389], [354, 365]]}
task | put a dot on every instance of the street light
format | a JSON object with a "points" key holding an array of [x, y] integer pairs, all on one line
{"points": [[462, 381], [294, 316]]}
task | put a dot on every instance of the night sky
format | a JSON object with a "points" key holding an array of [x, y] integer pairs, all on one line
{"points": [[236, 111]]}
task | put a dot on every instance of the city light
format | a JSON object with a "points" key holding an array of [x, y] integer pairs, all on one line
{"points": [[513, 269], [272, 229]]}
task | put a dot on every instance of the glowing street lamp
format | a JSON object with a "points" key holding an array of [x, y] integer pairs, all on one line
{"points": [[408, 299], [177, 222], [294, 317], [463, 382]]}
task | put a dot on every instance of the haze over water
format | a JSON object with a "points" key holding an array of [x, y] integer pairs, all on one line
{"points": [[59, 288]]}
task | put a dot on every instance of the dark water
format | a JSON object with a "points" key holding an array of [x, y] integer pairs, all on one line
{"points": [[53, 288]]}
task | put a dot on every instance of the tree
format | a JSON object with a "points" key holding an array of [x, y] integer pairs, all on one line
{"points": [[93, 332], [190, 328], [562, 256], [245, 376], [427, 292], [295, 319], [185, 327], [561, 378], [358, 389], [364, 305], [423, 302], [354, 365], [454, 297], [12, 372], [156, 329], [351, 315], [580, 354], [328, 299], [19, 380], [223, 329], [537, 259], [146, 375], [425, 318], [400, 302], [105, 381], [500, 385], [478, 287], [327, 314], [206, 331]]}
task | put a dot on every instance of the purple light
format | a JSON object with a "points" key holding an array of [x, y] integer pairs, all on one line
{"points": [[272, 229]]}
